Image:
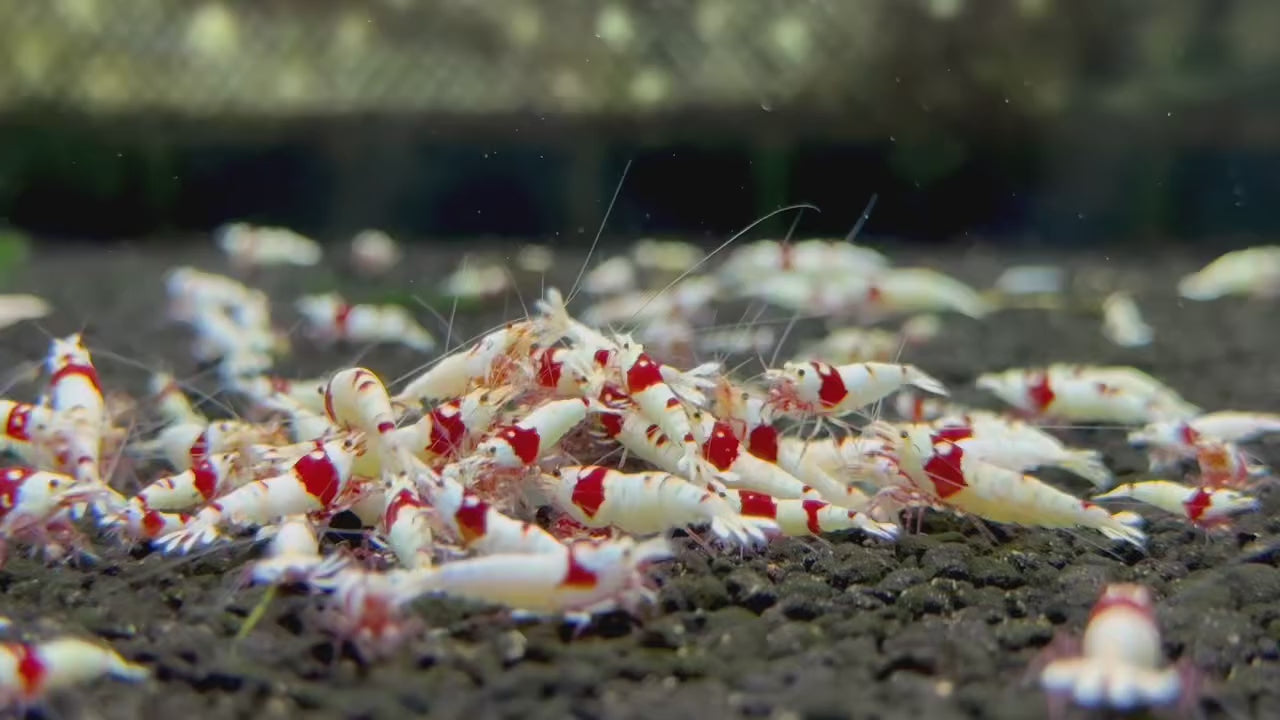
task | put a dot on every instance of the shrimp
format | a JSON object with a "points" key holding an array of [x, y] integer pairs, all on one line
{"points": [[1120, 664], [518, 446], [253, 246], [356, 399], [208, 478], [29, 671], [293, 552], [830, 390], [171, 403], [808, 516], [944, 471], [1122, 322], [406, 523], [647, 503], [1083, 394], [1019, 446], [20, 419], [79, 417], [487, 362], [586, 577], [657, 401], [332, 319], [1204, 507], [1253, 271], [314, 482], [480, 526]]}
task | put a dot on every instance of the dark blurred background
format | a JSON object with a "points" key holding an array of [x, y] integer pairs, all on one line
{"points": [[1079, 122]]}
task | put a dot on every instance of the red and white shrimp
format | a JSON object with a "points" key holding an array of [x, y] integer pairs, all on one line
{"points": [[479, 526], [451, 429], [135, 522], [1087, 394], [647, 503], [313, 484], [1225, 465], [30, 671], [210, 477], [293, 552], [1120, 663], [817, 388], [1203, 506], [20, 421], [586, 577], [332, 319], [944, 472], [406, 523], [645, 385], [32, 500], [808, 516], [1168, 442], [740, 469], [519, 446], [369, 609], [488, 362], [183, 445], [1018, 446], [80, 412], [355, 399]]}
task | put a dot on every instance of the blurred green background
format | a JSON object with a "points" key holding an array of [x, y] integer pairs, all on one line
{"points": [[1050, 120]]}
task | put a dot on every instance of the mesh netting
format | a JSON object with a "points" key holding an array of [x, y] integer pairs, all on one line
{"points": [[283, 57]]}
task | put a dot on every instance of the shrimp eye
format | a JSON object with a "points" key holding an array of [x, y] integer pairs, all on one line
{"points": [[800, 372], [903, 435]]}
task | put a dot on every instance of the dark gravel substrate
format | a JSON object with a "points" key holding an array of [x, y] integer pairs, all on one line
{"points": [[941, 625]]}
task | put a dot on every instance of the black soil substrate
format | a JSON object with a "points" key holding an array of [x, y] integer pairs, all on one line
{"points": [[941, 625]]}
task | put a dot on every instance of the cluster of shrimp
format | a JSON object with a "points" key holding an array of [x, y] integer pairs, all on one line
{"points": [[447, 475]]}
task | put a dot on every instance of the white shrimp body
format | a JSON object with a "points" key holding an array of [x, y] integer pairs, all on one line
{"points": [[1227, 426], [332, 318], [453, 375], [293, 552], [521, 444], [311, 485], [834, 390], [1201, 505], [1251, 271], [451, 428], [208, 478], [1122, 322], [1018, 446], [1120, 666], [406, 524], [481, 527], [809, 516], [249, 245], [724, 452], [648, 503], [74, 380], [809, 463], [30, 497], [183, 444], [171, 403], [30, 670], [656, 400], [20, 421], [1083, 394], [135, 522], [355, 399], [913, 290], [585, 577], [638, 435], [943, 470]]}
